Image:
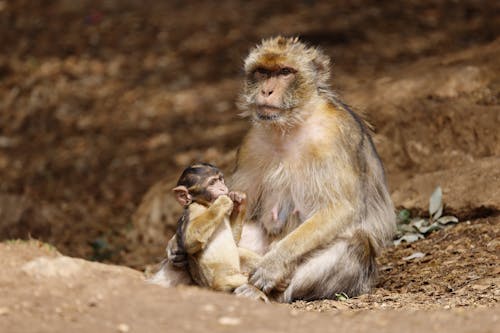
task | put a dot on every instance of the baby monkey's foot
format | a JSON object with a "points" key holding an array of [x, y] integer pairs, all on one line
{"points": [[249, 291]]}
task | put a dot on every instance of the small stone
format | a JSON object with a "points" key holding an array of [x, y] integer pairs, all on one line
{"points": [[209, 308], [229, 321], [4, 311], [123, 328], [44, 267]]}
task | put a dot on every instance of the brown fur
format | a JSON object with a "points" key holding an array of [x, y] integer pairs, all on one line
{"points": [[207, 233], [317, 156]]}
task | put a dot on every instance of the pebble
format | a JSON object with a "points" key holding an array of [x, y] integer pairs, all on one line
{"points": [[229, 321], [4, 311], [123, 328]]}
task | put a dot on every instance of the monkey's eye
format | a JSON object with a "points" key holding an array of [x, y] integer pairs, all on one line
{"points": [[212, 181], [286, 71], [261, 73]]}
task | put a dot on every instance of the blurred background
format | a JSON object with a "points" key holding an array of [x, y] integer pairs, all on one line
{"points": [[103, 103]]}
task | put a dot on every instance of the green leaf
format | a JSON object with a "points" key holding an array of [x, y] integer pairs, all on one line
{"points": [[342, 297], [418, 223], [408, 238], [405, 228], [436, 203], [447, 219], [416, 255], [425, 229], [404, 216], [438, 214]]}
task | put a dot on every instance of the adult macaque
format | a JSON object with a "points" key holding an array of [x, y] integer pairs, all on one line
{"points": [[316, 188], [317, 197], [209, 230]]}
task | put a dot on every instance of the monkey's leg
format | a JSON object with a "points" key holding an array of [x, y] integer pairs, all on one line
{"points": [[347, 266], [248, 259], [170, 276], [315, 232], [228, 282]]}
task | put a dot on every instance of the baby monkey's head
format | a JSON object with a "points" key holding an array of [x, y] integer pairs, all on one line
{"points": [[201, 183]]}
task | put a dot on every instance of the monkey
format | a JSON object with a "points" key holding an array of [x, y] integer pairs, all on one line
{"points": [[318, 206], [208, 232], [319, 209]]}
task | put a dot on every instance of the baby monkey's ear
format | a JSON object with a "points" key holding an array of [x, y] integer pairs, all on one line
{"points": [[182, 195]]}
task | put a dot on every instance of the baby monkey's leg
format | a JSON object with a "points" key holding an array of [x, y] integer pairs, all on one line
{"points": [[229, 282], [248, 260]]}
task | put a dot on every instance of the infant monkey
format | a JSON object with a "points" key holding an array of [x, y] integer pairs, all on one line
{"points": [[210, 228]]}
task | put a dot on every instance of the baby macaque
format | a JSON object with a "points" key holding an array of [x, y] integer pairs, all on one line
{"points": [[209, 229]]}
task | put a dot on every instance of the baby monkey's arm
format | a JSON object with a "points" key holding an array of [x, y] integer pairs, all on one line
{"points": [[203, 223]]}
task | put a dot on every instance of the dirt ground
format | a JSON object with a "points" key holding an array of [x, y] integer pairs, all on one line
{"points": [[54, 293], [102, 103]]}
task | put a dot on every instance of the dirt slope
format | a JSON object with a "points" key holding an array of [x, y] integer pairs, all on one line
{"points": [[61, 294]]}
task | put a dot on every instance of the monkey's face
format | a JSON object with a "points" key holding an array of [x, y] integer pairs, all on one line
{"points": [[215, 187], [201, 183], [273, 91], [282, 77]]}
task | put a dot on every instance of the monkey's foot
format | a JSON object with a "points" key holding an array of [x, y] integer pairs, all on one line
{"points": [[268, 275], [281, 286], [249, 291]]}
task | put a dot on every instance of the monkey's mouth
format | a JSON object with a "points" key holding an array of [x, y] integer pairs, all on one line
{"points": [[268, 112]]}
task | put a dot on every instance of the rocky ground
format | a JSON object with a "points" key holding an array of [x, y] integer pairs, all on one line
{"points": [[103, 103]]}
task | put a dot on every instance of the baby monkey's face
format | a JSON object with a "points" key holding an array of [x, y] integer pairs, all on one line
{"points": [[216, 186]]}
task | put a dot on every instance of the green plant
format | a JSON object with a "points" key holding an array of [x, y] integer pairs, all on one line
{"points": [[413, 229]]}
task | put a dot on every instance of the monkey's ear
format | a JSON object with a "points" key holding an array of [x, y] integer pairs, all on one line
{"points": [[322, 66], [182, 195]]}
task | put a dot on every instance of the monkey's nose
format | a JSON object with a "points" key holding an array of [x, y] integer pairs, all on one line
{"points": [[267, 92]]}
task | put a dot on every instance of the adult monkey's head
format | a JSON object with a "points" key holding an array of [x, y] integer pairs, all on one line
{"points": [[283, 77]]}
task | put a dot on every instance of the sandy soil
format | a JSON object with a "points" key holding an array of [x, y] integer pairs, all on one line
{"points": [[43, 291], [103, 103]]}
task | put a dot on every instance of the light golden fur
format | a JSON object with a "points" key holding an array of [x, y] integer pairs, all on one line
{"points": [[314, 164], [210, 238], [319, 159]]}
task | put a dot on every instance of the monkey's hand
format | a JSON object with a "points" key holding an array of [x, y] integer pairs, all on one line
{"points": [[270, 274], [239, 199], [223, 203], [249, 291], [175, 254]]}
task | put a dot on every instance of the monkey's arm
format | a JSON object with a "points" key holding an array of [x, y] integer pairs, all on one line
{"points": [[318, 230], [238, 214], [176, 255], [203, 223]]}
